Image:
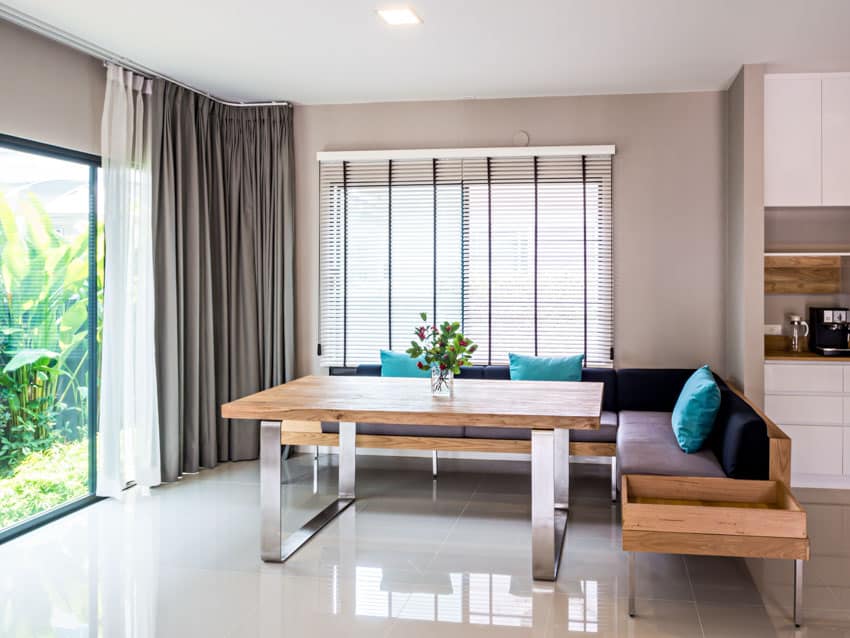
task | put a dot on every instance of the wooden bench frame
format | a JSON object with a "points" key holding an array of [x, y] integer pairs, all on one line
{"points": [[713, 517], [310, 433], [760, 541]]}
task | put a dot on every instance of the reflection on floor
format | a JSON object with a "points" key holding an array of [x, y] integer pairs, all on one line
{"points": [[410, 558]]}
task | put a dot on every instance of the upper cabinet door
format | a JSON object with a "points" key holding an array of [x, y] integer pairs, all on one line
{"points": [[836, 141], [792, 141]]}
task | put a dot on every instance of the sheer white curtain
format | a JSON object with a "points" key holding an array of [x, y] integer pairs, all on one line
{"points": [[128, 446]]}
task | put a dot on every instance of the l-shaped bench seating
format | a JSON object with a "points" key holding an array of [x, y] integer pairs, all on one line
{"points": [[635, 432]]}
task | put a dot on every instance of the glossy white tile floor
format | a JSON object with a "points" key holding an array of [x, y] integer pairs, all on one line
{"points": [[409, 559]]}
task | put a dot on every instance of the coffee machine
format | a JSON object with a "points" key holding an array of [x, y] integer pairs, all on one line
{"points": [[829, 331]]}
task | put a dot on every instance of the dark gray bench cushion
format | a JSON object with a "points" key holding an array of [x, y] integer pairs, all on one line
{"points": [[646, 445], [607, 432]]}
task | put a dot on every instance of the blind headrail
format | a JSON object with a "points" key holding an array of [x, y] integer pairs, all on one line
{"points": [[464, 153]]}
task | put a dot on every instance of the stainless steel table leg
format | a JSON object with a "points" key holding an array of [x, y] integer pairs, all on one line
{"points": [[798, 593], [562, 468], [632, 578], [434, 464], [347, 459], [272, 546], [271, 519], [613, 479], [548, 525]]}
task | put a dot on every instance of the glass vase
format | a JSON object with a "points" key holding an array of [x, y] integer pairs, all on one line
{"points": [[442, 382]]}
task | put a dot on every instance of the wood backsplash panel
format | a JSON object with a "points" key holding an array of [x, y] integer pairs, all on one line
{"points": [[802, 275]]}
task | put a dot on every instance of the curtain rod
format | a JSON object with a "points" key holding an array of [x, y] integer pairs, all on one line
{"points": [[80, 44]]}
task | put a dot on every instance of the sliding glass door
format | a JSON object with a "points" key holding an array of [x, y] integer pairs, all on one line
{"points": [[50, 283]]}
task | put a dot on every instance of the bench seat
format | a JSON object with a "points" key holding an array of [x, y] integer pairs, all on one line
{"points": [[646, 445], [635, 425]]}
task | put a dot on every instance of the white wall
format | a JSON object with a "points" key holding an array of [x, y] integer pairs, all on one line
{"points": [[744, 317], [668, 201], [51, 93]]}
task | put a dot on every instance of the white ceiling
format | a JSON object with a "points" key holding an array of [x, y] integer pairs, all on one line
{"points": [[336, 51]]}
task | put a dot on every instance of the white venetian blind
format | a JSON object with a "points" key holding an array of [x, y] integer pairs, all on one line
{"points": [[518, 249]]}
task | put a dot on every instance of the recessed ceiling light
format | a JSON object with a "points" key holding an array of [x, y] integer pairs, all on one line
{"points": [[396, 17]]}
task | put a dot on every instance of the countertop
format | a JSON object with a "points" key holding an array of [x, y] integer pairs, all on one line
{"points": [[778, 348], [786, 355]]}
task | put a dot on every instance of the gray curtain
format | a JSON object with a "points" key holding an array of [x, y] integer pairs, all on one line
{"points": [[223, 258]]}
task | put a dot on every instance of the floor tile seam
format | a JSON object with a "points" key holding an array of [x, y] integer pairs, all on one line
{"points": [[453, 525], [693, 595]]}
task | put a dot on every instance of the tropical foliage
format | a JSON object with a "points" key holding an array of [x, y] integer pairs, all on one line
{"points": [[44, 291], [44, 480]]}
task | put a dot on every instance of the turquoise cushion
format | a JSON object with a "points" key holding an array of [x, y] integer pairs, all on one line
{"points": [[696, 409], [528, 368], [399, 364]]}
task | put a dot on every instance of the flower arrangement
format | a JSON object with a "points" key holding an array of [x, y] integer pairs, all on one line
{"points": [[444, 349]]}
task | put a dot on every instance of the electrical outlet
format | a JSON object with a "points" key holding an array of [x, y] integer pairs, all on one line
{"points": [[773, 329]]}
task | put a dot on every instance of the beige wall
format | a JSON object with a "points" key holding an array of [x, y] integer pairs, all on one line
{"points": [[669, 214], [744, 316], [51, 93]]}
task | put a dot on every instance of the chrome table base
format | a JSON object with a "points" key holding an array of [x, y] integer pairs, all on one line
{"points": [[273, 549], [550, 493]]}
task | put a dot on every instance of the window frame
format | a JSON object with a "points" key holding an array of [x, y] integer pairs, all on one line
{"points": [[94, 163], [594, 179]]}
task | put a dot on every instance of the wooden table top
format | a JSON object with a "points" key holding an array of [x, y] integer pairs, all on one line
{"points": [[408, 401]]}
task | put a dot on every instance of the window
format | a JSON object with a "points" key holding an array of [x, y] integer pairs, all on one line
{"points": [[50, 274], [516, 248]]}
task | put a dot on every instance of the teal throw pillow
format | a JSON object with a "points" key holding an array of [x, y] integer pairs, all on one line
{"points": [[529, 368], [399, 364], [696, 409]]}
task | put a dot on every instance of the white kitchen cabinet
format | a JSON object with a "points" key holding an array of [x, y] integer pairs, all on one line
{"points": [[816, 449], [792, 141], [810, 401], [805, 409], [783, 378], [807, 139], [835, 109]]}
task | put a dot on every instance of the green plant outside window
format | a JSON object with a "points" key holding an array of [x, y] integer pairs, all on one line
{"points": [[46, 296]]}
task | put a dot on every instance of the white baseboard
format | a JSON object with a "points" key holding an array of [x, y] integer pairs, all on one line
{"points": [[829, 481], [481, 456]]}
